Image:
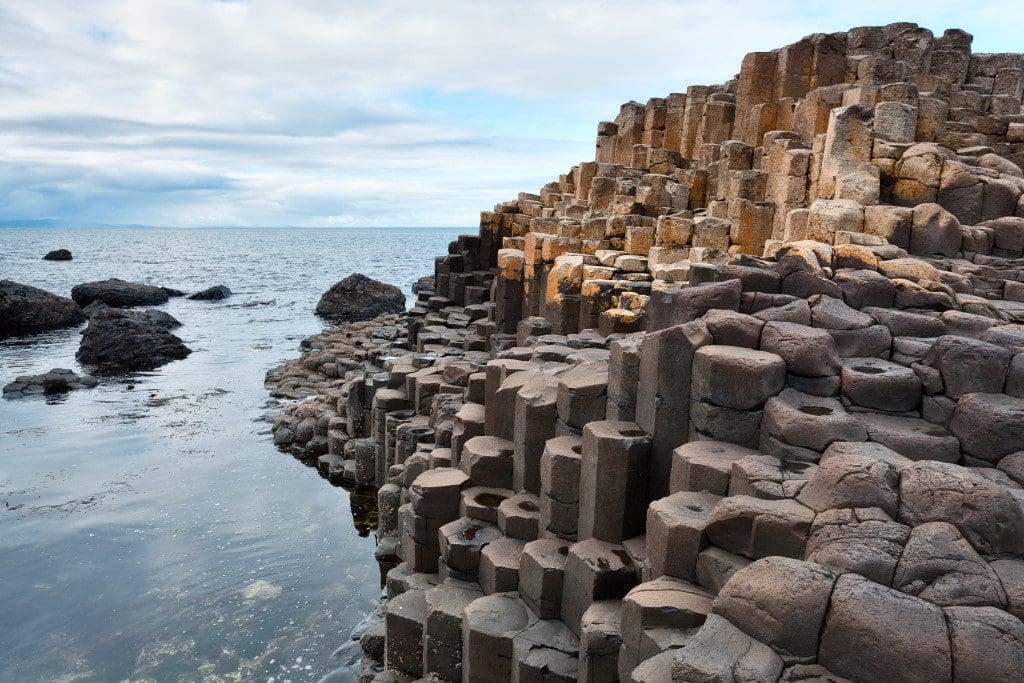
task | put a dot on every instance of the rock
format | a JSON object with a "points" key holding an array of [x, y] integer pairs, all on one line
{"points": [[874, 633], [27, 310], [735, 377], [968, 365], [675, 532], [808, 421], [58, 255], [989, 426], [721, 652], [852, 481], [808, 351], [600, 641], [1011, 576], [214, 293], [116, 341], [939, 565], [863, 541], [56, 381], [118, 293], [769, 478], [758, 528], [987, 514], [358, 297], [987, 644], [879, 384], [934, 231], [780, 602]]}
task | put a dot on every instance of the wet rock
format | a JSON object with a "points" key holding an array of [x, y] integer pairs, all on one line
{"points": [[27, 310], [56, 381], [214, 293], [58, 255], [118, 293], [358, 297], [117, 340]]}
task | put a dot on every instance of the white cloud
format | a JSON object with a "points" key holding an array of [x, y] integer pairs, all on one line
{"points": [[340, 113]]}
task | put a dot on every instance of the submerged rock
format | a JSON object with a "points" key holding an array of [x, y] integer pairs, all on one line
{"points": [[358, 297], [261, 590], [25, 310], [118, 293], [56, 381], [117, 340], [58, 255], [214, 293], [171, 292]]}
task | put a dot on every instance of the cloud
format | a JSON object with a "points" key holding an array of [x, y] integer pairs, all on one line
{"points": [[320, 112]]}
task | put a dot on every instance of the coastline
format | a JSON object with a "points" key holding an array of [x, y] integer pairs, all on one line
{"points": [[684, 412]]}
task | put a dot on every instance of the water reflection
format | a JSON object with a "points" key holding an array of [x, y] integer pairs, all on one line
{"points": [[149, 530]]}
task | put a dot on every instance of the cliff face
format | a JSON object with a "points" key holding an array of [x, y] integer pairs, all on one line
{"points": [[742, 399]]}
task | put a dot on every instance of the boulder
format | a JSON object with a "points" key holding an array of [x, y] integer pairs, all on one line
{"points": [[721, 652], [989, 426], [852, 480], [987, 514], [862, 541], [214, 293], [874, 633], [116, 341], [987, 644], [56, 381], [781, 602], [27, 310], [58, 255], [939, 565], [358, 297], [118, 293]]}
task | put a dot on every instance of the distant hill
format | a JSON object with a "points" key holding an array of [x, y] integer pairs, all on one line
{"points": [[51, 223]]}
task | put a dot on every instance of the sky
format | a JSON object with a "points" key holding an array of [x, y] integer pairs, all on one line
{"points": [[378, 112]]}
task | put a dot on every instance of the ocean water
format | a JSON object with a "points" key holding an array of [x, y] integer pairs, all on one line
{"points": [[149, 530]]}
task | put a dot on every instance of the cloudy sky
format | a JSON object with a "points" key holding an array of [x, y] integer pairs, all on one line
{"points": [[335, 113]]}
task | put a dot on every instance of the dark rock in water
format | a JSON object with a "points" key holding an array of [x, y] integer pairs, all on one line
{"points": [[56, 381], [117, 340], [25, 310], [118, 293], [171, 292], [212, 294], [358, 297], [93, 307], [58, 255]]}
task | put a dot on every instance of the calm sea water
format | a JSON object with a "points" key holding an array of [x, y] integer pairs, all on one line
{"points": [[149, 530]]}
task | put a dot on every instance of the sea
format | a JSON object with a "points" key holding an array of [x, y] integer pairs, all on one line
{"points": [[149, 529]]}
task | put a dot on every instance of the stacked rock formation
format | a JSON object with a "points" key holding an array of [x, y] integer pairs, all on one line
{"points": [[742, 399]]}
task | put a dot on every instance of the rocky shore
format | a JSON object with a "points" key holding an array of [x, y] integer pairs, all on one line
{"points": [[742, 399]]}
